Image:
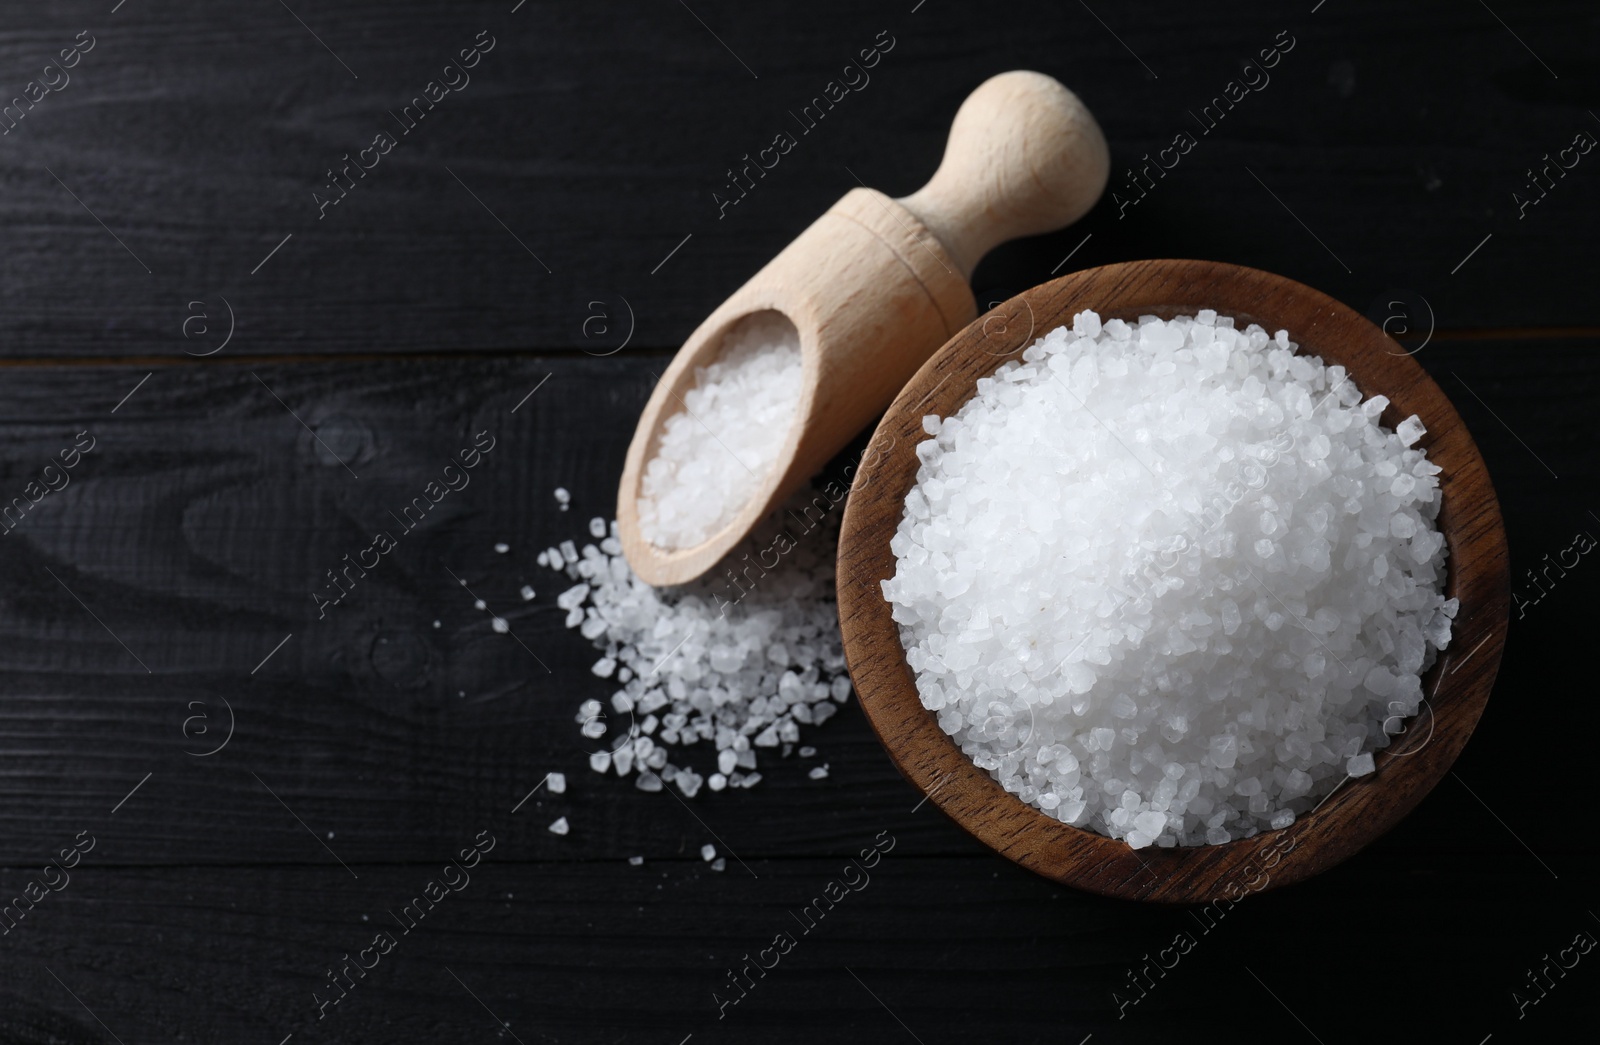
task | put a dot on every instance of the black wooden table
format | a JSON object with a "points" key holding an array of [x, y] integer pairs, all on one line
{"points": [[249, 347]]}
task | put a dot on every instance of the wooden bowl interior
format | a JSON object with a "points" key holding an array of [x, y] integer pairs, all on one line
{"points": [[1457, 686]]}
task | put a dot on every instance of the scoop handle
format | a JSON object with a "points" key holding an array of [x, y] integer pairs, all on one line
{"points": [[1025, 156]]}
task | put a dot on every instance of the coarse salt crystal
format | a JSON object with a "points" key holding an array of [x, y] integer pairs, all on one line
{"points": [[738, 666], [1168, 581], [1410, 430], [713, 456]]}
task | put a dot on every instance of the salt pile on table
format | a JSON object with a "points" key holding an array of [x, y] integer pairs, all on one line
{"points": [[714, 454], [1169, 582], [737, 661]]}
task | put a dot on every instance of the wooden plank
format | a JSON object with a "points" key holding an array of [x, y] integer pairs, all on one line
{"points": [[562, 951], [204, 517], [585, 151], [370, 746]]}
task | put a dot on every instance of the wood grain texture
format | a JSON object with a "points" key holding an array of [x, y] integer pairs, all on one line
{"points": [[1457, 686], [410, 316], [199, 523], [871, 295], [589, 951], [873, 287], [1025, 157], [198, 530], [198, 134], [194, 529]]}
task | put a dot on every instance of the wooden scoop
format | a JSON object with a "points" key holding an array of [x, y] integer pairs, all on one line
{"points": [[875, 285]]}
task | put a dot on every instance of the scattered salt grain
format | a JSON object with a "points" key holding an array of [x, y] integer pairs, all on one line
{"points": [[499, 625], [714, 455], [819, 772], [738, 666], [560, 827], [1169, 575], [527, 593], [557, 783], [708, 852], [636, 861], [563, 498], [502, 548], [719, 864], [479, 604]]}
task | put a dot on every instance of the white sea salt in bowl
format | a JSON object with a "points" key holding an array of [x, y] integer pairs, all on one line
{"points": [[1165, 580], [1359, 808]]}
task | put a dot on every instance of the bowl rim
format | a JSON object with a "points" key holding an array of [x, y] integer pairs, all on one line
{"points": [[1358, 810]]}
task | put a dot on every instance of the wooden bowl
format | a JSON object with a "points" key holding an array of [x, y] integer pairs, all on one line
{"points": [[1357, 812]]}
